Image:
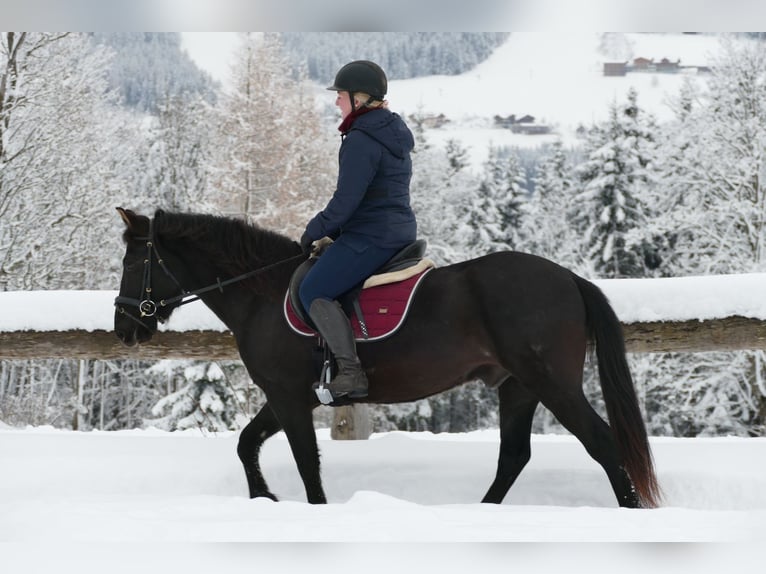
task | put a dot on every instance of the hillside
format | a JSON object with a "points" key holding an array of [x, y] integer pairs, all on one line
{"points": [[557, 78]]}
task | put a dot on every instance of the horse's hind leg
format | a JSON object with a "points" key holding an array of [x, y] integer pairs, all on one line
{"points": [[577, 415], [517, 409], [252, 437]]}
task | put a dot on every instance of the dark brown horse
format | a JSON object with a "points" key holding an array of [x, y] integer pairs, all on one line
{"points": [[515, 321]]}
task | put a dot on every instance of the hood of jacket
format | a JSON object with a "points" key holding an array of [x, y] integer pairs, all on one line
{"points": [[388, 129]]}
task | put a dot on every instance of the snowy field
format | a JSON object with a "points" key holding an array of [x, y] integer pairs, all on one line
{"points": [[151, 491], [152, 486]]}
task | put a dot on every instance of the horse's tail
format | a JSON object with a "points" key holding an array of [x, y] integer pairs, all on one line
{"points": [[619, 393]]}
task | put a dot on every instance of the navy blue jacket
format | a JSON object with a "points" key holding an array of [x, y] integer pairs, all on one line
{"points": [[371, 202]]}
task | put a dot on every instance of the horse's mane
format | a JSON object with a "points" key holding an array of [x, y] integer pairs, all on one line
{"points": [[235, 245]]}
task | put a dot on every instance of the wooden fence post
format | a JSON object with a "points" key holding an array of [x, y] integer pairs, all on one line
{"points": [[351, 422]]}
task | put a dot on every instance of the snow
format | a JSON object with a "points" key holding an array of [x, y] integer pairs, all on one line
{"points": [[634, 300], [557, 77], [153, 486]]}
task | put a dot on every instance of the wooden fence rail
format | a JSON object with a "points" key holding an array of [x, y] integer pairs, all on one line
{"points": [[726, 334]]}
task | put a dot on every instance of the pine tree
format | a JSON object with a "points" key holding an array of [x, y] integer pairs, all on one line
{"points": [[681, 200], [497, 210], [609, 207], [545, 230], [177, 156], [439, 188], [204, 398]]}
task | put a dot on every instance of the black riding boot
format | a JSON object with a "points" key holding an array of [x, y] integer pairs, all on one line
{"points": [[333, 325]]}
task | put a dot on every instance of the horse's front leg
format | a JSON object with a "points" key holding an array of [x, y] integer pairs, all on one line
{"points": [[298, 423], [252, 437]]}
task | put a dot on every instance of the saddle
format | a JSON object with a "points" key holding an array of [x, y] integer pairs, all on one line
{"points": [[375, 308]]}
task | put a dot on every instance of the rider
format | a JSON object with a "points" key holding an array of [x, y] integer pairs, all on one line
{"points": [[369, 215]]}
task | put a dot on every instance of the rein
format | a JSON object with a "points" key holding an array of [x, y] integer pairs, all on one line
{"points": [[147, 307]]}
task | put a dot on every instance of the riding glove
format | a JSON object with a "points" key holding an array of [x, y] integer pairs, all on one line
{"points": [[306, 242]]}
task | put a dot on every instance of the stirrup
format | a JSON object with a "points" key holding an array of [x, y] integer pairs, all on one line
{"points": [[323, 393]]}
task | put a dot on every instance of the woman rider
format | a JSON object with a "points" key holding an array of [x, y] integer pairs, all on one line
{"points": [[369, 215]]}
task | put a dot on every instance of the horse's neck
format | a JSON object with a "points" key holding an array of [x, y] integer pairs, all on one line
{"points": [[235, 301]]}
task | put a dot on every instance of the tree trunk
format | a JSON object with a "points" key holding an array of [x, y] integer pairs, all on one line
{"points": [[82, 371]]}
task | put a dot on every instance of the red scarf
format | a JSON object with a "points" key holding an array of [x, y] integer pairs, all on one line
{"points": [[345, 125]]}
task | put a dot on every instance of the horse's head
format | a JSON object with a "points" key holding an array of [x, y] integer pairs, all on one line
{"points": [[146, 284]]}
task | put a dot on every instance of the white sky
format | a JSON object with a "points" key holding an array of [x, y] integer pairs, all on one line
{"points": [[212, 51]]}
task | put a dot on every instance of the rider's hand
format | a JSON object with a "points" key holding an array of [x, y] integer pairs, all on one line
{"points": [[320, 245], [306, 243]]}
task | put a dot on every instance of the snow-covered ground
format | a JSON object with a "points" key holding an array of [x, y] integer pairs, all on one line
{"points": [[153, 486]]}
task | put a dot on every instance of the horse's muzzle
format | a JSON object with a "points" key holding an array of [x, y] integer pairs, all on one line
{"points": [[131, 330]]}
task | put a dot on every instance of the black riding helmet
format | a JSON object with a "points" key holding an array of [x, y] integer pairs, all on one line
{"points": [[361, 76]]}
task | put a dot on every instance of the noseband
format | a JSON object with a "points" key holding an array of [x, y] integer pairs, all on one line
{"points": [[147, 307]]}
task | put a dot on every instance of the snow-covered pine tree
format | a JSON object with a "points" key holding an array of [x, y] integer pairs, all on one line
{"points": [[681, 200], [613, 179], [609, 211], [545, 230], [204, 398], [439, 190], [177, 156], [497, 209]]}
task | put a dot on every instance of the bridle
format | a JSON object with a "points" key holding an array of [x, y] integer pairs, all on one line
{"points": [[148, 307]]}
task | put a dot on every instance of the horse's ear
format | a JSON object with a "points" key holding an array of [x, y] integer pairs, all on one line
{"points": [[128, 217]]}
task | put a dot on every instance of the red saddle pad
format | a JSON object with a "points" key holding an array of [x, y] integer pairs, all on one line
{"points": [[384, 309]]}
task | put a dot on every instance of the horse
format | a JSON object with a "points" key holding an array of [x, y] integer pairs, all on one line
{"points": [[518, 322]]}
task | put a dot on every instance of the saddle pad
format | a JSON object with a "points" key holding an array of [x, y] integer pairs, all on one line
{"points": [[384, 309]]}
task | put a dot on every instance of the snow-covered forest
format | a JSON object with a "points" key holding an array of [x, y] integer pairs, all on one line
{"points": [[401, 54], [84, 128]]}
